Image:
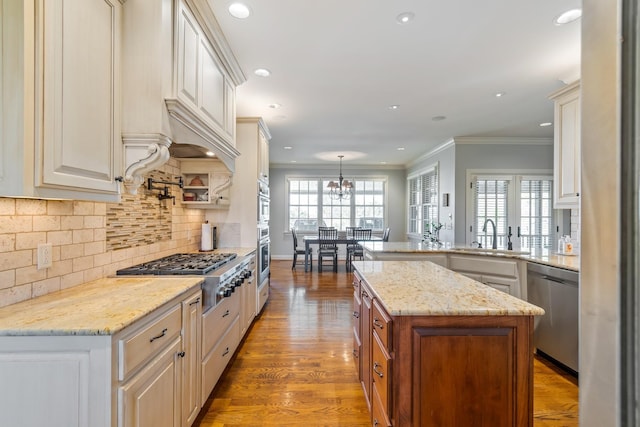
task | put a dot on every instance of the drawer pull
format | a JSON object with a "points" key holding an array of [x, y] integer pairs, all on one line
{"points": [[226, 351], [355, 353], [375, 366], [377, 323], [195, 302], [376, 422], [356, 314], [182, 354], [226, 313], [164, 332]]}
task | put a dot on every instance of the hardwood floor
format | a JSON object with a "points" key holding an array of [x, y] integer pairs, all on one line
{"points": [[295, 367]]}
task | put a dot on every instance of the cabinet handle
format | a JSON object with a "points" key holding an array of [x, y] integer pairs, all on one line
{"points": [[226, 351], [164, 332], [226, 313], [356, 314], [577, 194], [181, 354], [355, 353], [375, 422], [195, 302], [375, 366], [377, 323]]}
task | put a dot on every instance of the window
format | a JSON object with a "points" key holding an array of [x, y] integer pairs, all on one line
{"points": [[423, 202], [519, 206], [310, 204]]}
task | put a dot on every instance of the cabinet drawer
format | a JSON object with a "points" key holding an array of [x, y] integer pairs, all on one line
{"points": [[217, 320], [144, 343], [379, 417], [483, 265], [380, 372], [215, 362], [381, 323], [357, 348]]}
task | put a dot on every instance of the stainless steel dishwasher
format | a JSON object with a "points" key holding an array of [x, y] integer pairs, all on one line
{"points": [[556, 291]]}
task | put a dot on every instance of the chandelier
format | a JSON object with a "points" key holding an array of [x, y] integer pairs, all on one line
{"points": [[342, 188]]}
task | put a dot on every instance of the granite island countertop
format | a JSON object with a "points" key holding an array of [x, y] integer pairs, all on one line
{"points": [[422, 288], [101, 307], [543, 257]]}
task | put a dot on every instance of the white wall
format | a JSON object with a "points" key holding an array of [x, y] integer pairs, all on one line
{"points": [[281, 243], [445, 159], [502, 153], [600, 211]]}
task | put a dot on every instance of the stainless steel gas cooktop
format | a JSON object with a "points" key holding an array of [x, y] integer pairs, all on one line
{"points": [[185, 263]]}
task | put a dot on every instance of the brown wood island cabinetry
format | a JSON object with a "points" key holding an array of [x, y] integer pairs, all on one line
{"points": [[439, 349]]}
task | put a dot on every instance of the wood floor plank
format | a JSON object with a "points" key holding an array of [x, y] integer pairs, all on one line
{"points": [[295, 366]]}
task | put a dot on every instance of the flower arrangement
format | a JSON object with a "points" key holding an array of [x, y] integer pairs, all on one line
{"points": [[432, 232]]}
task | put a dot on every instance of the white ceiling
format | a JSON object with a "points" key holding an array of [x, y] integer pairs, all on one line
{"points": [[337, 66]]}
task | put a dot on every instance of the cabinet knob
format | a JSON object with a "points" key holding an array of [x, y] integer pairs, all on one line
{"points": [[181, 354]]}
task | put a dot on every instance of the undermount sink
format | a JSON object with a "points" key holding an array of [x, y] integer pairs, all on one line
{"points": [[491, 251]]}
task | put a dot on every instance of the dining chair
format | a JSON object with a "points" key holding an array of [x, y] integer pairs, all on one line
{"points": [[297, 251], [327, 246], [355, 250]]}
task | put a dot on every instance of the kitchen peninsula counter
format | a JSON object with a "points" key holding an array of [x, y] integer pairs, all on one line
{"points": [[101, 307], [434, 347], [379, 250]]}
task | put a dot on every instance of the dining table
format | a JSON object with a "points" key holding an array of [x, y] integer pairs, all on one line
{"points": [[341, 240]]}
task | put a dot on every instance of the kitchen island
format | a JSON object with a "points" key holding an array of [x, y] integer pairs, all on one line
{"points": [[434, 347]]}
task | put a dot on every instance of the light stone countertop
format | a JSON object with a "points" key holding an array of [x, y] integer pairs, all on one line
{"points": [[239, 251], [100, 307], [422, 288], [547, 258]]}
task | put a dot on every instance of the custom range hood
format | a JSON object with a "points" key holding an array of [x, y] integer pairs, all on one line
{"points": [[178, 84]]}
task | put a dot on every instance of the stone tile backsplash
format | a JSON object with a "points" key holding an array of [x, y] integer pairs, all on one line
{"points": [[90, 240]]}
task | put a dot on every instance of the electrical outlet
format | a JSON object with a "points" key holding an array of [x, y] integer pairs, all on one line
{"points": [[44, 255]]}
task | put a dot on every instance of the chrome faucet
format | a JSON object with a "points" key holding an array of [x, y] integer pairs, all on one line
{"points": [[494, 245]]}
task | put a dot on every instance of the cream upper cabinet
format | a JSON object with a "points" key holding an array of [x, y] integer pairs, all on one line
{"points": [[566, 147], [61, 99], [263, 161], [201, 81]]}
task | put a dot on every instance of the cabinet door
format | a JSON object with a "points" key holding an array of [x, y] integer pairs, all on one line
{"points": [[152, 397], [187, 57], [192, 327], [263, 161], [78, 104], [567, 149], [212, 87], [505, 284]]}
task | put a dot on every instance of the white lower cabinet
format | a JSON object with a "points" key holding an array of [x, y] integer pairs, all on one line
{"points": [[152, 397], [192, 342], [263, 294], [508, 275], [220, 338], [55, 381]]}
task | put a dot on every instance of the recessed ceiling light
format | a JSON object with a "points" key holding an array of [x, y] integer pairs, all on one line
{"points": [[500, 94], [568, 16], [294, 161], [239, 10], [262, 72], [210, 153], [400, 148], [405, 17], [275, 106], [393, 107], [383, 163], [438, 118], [545, 124], [288, 148]]}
